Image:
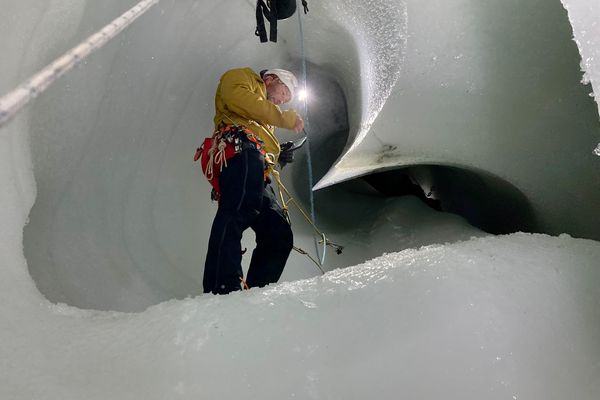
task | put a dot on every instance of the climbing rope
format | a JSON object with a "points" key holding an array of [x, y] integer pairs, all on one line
{"points": [[12, 103], [285, 198], [303, 252], [313, 216]]}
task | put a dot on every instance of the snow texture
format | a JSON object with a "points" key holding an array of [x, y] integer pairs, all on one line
{"points": [[496, 318], [585, 19]]}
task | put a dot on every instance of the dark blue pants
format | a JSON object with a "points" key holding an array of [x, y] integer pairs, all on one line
{"points": [[245, 203]]}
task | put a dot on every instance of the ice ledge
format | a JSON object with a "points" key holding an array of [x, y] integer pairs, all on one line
{"points": [[585, 16]]}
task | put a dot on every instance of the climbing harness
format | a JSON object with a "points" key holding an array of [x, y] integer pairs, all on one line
{"points": [[225, 143], [16, 100], [274, 10]]}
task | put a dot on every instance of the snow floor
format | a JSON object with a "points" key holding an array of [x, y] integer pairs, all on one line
{"points": [[510, 317]]}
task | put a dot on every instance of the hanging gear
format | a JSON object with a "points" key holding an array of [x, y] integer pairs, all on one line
{"points": [[273, 10], [287, 154], [305, 5], [283, 193], [287, 151], [225, 143]]}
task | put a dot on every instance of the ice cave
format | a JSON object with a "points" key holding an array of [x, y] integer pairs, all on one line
{"points": [[453, 150]]}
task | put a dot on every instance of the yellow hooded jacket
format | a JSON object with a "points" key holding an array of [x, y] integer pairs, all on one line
{"points": [[241, 99]]}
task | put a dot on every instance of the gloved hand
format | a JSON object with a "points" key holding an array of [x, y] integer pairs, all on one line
{"points": [[287, 155]]}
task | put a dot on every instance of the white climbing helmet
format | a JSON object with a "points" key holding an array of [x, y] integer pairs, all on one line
{"points": [[287, 78]]}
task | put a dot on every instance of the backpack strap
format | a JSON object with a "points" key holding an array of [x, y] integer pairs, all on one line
{"points": [[266, 10], [273, 20], [261, 31]]}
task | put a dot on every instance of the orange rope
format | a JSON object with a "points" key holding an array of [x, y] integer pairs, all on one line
{"points": [[244, 284]]}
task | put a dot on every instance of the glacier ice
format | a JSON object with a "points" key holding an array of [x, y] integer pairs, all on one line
{"points": [[121, 212]]}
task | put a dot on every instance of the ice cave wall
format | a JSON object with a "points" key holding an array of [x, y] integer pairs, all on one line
{"points": [[120, 217]]}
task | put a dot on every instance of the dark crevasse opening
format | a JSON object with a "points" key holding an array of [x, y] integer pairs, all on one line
{"points": [[487, 202]]}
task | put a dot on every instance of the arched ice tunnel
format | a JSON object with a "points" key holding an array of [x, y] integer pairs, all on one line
{"points": [[477, 105]]}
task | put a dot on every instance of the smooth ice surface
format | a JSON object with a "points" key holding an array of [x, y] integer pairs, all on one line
{"points": [[121, 213], [492, 87]]}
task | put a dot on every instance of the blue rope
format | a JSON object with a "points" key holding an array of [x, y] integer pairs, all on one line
{"points": [[306, 124]]}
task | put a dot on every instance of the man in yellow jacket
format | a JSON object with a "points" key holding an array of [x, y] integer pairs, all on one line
{"points": [[249, 102]]}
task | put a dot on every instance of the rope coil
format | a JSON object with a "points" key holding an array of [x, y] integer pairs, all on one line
{"points": [[216, 155]]}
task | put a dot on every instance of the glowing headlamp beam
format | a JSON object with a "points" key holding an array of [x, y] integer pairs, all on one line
{"points": [[303, 95]]}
